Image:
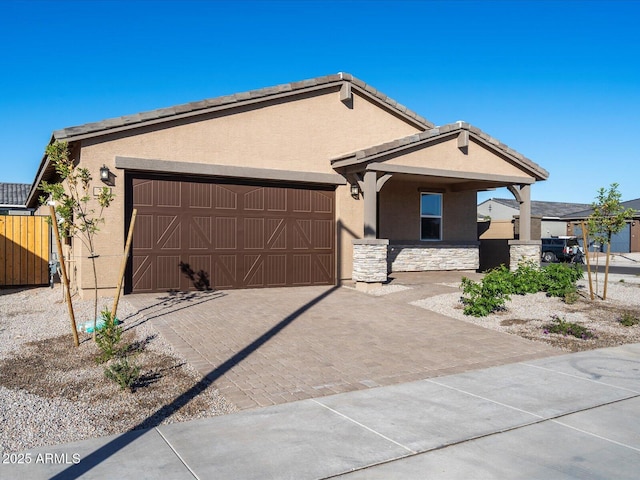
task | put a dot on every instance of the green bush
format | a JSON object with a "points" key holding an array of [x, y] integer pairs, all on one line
{"points": [[123, 372], [559, 279], [492, 292], [108, 337], [488, 295], [527, 279], [562, 327]]}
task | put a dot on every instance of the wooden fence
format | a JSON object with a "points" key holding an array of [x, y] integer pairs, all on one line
{"points": [[24, 250]]}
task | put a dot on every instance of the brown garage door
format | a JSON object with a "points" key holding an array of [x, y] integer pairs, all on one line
{"points": [[242, 236]]}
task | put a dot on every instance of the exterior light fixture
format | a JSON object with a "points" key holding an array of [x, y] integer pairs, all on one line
{"points": [[106, 176], [355, 190]]}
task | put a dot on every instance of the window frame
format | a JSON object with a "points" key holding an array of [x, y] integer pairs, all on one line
{"points": [[440, 196]]}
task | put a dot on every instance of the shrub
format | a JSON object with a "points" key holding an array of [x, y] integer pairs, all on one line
{"points": [[123, 372], [491, 293], [488, 295], [559, 279], [562, 327], [571, 297], [108, 337], [628, 319], [527, 278]]}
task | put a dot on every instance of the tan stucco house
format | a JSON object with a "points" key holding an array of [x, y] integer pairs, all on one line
{"points": [[306, 183]]}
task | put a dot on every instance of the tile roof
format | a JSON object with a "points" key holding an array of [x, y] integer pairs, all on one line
{"points": [[14, 194], [444, 130], [545, 209], [579, 214], [227, 101]]}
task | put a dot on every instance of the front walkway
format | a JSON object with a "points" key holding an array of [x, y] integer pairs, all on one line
{"points": [[270, 346]]}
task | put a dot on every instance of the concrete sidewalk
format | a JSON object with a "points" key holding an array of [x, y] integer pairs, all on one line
{"points": [[570, 416]]}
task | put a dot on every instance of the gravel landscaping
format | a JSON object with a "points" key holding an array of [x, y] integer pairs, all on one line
{"points": [[528, 315], [52, 392]]}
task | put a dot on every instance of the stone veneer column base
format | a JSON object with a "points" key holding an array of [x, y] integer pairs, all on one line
{"points": [[524, 251], [369, 262]]}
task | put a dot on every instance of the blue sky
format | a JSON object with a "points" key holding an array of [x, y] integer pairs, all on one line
{"points": [[559, 81]]}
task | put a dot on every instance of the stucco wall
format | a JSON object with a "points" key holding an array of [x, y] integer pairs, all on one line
{"points": [[446, 155], [399, 212], [298, 135]]}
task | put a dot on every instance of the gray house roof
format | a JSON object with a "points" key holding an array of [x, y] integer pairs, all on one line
{"points": [[580, 214], [544, 209], [14, 194], [204, 106]]}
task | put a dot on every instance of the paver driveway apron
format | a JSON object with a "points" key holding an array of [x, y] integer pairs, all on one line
{"points": [[269, 346]]}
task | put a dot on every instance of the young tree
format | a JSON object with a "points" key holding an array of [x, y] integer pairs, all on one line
{"points": [[608, 218], [75, 208]]}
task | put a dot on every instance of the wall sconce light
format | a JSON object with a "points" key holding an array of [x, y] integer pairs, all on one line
{"points": [[106, 176], [355, 190]]}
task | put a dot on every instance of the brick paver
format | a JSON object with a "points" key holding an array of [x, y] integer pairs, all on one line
{"points": [[268, 346]]}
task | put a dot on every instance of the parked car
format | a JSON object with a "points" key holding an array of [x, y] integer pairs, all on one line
{"points": [[562, 249]]}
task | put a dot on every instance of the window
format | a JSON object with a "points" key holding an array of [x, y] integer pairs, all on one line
{"points": [[430, 216]]}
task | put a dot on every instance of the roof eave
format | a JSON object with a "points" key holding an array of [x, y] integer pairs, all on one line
{"points": [[203, 107]]}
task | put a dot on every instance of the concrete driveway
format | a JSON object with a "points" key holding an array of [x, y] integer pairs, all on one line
{"points": [[271, 346]]}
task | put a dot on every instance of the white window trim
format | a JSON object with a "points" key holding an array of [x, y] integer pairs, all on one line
{"points": [[439, 239]]}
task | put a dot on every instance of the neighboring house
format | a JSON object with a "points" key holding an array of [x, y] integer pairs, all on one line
{"points": [[628, 240], [13, 199], [306, 183], [550, 216]]}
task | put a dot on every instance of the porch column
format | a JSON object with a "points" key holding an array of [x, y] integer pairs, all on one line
{"points": [[370, 194], [525, 212]]}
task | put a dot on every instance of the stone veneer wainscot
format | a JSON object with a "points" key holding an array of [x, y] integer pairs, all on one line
{"points": [[423, 258]]}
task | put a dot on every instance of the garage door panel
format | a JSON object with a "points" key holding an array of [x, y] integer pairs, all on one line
{"points": [[168, 232], [143, 234], [224, 268], [301, 200], [167, 273], [254, 268], [226, 198], [323, 268], [168, 193], [242, 236], [276, 233], [143, 192], [322, 234], [276, 199], [301, 269], [301, 234], [142, 273], [200, 233], [200, 195], [226, 233], [322, 202], [254, 233], [276, 270], [254, 200]]}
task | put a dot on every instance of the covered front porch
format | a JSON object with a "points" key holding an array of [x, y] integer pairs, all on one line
{"points": [[419, 199]]}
